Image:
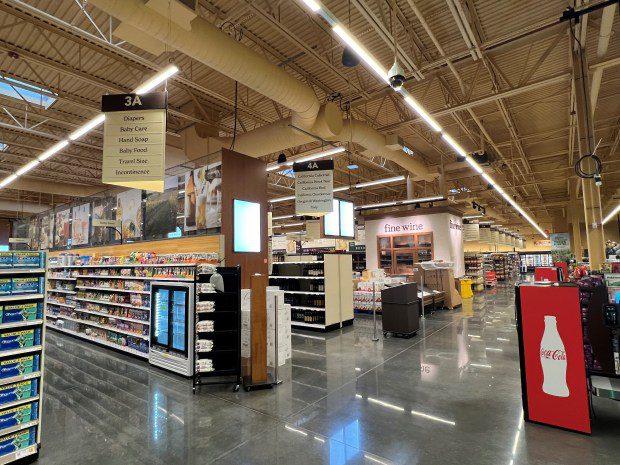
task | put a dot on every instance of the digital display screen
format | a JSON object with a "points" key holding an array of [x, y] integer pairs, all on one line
{"points": [[246, 226], [341, 221]]}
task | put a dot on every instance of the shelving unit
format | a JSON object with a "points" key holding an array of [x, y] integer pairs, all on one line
{"points": [[320, 292], [28, 365], [99, 304], [474, 268], [224, 341]]}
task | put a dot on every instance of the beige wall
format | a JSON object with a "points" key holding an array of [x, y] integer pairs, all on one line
{"points": [[485, 247]]}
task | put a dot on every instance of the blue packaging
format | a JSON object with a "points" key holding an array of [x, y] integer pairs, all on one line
{"points": [[28, 259], [21, 312], [5, 286], [27, 285], [10, 340], [19, 415], [18, 391], [16, 441], [6, 259], [19, 366]]}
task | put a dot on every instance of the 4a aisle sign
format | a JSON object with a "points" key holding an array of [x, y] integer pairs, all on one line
{"points": [[134, 140], [314, 187]]}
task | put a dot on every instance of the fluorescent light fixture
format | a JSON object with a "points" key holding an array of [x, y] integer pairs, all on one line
{"points": [[93, 123], [53, 149], [489, 179], [8, 180], [340, 189], [473, 217], [283, 217], [452, 143], [314, 6], [435, 198], [301, 233], [613, 213], [422, 113], [288, 225], [156, 80], [476, 166], [376, 205], [282, 199], [361, 52], [380, 181], [27, 167]]}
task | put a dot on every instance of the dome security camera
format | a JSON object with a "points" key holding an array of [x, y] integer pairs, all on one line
{"points": [[396, 76]]}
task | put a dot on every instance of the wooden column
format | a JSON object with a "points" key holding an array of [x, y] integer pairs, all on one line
{"points": [[258, 317]]}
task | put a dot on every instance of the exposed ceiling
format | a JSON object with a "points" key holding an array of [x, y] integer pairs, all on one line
{"points": [[515, 99]]}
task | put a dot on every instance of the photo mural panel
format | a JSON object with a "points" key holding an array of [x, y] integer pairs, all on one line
{"points": [[160, 215], [80, 224], [61, 228], [129, 212], [103, 209]]}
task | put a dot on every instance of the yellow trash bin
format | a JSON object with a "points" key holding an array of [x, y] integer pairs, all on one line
{"points": [[466, 292]]}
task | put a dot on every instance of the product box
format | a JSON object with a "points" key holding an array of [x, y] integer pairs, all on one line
{"points": [[28, 259], [21, 312], [5, 286], [19, 366], [16, 441], [28, 285], [6, 259], [19, 391], [19, 415], [10, 340]]}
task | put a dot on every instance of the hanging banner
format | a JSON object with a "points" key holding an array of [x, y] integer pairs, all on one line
{"points": [[314, 187], [560, 241], [471, 231], [494, 235], [134, 140], [501, 237], [485, 233]]}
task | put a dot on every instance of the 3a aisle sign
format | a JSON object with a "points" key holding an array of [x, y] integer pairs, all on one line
{"points": [[134, 140], [314, 187]]}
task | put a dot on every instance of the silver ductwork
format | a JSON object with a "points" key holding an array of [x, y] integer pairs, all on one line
{"points": [[209, 45]]}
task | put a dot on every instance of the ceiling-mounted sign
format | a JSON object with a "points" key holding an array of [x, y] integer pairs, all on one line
{"points": [[134, 140], [494, 235], [314, 187], [485, 233], [560, 241], [502, 238], [471, 231]]}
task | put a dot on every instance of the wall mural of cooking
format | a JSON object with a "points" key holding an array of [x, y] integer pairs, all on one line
{"points": [[80, 224], [129, 211], [61, 228], [203, 198]]}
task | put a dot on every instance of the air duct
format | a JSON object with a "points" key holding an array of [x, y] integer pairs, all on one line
{"points": [[209, 45]]}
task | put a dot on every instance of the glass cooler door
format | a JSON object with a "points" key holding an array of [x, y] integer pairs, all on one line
{"points": [[161, 312], [179, 321]]}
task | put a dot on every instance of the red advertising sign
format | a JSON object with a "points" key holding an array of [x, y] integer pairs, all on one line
{"points": [[546, 273], [552, 360]]}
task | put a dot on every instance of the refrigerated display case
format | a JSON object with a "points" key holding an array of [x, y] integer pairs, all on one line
{"points": [[172, 322]]}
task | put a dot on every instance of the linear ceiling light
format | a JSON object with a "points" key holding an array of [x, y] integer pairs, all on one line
{"points": [[283, 217], [8, 180], [290, 225], [391, 203], [93, 123], [473, 217], [340, 189], [314, 156], [350, 41], [27, 167], [156, 80], [380, 181], [53, 149], [613, 213], [282, 199]]}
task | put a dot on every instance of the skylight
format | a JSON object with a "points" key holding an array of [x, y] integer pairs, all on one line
{"points": [[3, 146], [23, 91]]}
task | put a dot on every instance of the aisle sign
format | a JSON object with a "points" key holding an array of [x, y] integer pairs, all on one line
{"points": [[471, 231], [501, 237], [494, 235], [134, 140], [314, 187], [560, 241], [485, 233]]}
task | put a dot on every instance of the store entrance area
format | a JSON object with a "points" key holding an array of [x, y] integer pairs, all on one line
{"points": [[450, 395]]}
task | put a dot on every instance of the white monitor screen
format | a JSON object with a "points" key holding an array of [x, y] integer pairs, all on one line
{"points": [[347, 219], [331, 221], [246, 226]]}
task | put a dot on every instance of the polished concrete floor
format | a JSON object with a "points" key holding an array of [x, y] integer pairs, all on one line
{"points": [[450, 395]]}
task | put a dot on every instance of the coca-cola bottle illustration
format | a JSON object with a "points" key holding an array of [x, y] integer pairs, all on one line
{"points": [[553, 360]]}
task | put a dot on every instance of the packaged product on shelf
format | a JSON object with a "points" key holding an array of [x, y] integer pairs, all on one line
{"points": [[19, 366], [28, 259], [18, 339], [204, 345], [19, 391], [204, 365], [205, 326], [20, 312], [27, 285], [206, 288], [6, 259], [5, 286], [19, 415], [16, 441], [206, 268], [205, 307]]}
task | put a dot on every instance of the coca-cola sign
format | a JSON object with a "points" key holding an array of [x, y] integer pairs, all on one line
{"points": [[553, 354]]}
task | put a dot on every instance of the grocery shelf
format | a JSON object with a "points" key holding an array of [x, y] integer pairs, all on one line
{"points": [[129, 350], [103, 302], [316, 309], [50, 278], [106, 327], [19, 427], [19, 402], [129, 265], [309, 325], [4, 271], [137, 278], [19, 378], [11, 298], [297, 277], [52, 302], [304, 292], [61, 291], [21, 350], [19, 324], [19, 454], [107, 315], [295, 263], [111, 289]]}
